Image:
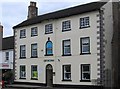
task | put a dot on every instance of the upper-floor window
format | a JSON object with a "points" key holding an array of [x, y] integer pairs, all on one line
{"points": [[22, 72], [84, 22], [66, 25], [23, 33], [34, 50], [49, 48], [48, 28], [22, 51], [85, 45], [66, 48], [34, 72], [66, 72], [34, 31], [85, 72], [7, 56]]}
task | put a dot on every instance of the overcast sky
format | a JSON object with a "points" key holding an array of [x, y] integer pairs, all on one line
{"points": [[13, 12]]}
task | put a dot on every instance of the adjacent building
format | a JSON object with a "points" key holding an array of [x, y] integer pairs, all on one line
{"points": [[6, 52], [66, 47]]}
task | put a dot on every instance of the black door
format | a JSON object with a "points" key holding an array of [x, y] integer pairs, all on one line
{"points": [[49, 75]]}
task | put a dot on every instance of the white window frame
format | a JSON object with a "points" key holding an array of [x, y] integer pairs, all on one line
{"points": [[85, 42], [34, 31], [22, 72], [34, 50], [66, 25], [66, 47], [32, 77], [48, 28], [23, 33], [49, 49], [84, 22], [22, 51], [66, 72], [84, 72], [7, 54]]}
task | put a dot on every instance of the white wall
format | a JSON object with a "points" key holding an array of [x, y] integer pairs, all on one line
{"points": [[56, 37], [108, 26], [0, 56], [3, 59], [0, 59]]}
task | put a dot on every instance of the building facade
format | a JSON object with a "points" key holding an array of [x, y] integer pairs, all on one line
{"points": [[66, 47], [6, 53]]}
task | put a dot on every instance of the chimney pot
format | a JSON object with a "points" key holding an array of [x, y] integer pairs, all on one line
{"points": [[32, 10], [33, 4]]}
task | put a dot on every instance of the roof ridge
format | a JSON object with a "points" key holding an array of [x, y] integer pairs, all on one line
{"points": [[88, 7]]}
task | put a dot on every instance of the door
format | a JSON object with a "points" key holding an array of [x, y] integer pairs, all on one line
{"points": [[49, 75]]}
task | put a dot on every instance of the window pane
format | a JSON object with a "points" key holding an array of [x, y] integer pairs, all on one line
{"points": [[67, 50], [85, 40], [34, 71], [49, 48], [86, 76], [86, 68], [66, 25], [87, 21], [49, 44], [34, 31], [67, 68], [66, 44], [85, 44], [34, 53], [22, 51], [35, 75], [67, 72], [48, 28], [22, 33], [49, 51], [68, 76], [22, 72], [7, 55], [85, 72], [34, 50], [84, 22], [85, 48]]}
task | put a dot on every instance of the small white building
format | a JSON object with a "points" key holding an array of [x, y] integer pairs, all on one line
{"points": [[6, 53], [69, 47]]}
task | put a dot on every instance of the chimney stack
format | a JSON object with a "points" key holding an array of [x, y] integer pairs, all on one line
{"points": [[1, 36], [32, 10]]}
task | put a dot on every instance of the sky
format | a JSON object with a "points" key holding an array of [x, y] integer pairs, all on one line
{"points": [[13, 12]]}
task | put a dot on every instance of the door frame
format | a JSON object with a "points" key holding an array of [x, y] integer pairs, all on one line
{"points": [[49, 67]]}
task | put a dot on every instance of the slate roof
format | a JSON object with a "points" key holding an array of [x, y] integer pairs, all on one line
{"points": [[63, 13], [8, 43]]}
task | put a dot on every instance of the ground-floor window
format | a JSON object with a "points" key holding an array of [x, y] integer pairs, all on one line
{"points": [[22, 71], [85, 72], [67, 72], [34, 72]]}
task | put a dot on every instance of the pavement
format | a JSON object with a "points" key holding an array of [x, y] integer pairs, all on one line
{"points": [[38, 88], [15, 86], [24, 86], [42, 88]]}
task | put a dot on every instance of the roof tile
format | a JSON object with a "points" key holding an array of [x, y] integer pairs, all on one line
{"points": [[62, 13]]}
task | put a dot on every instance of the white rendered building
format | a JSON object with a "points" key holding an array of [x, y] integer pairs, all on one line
{"points": [[6, 52], [67, 47]]}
